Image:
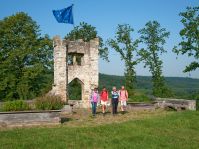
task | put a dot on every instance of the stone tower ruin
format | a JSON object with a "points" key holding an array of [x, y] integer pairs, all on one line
{"points": [[82, 65]]}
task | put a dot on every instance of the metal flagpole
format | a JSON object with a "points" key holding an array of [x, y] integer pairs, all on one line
{"points": [[73, 15], [67, 96], [65, 19]]}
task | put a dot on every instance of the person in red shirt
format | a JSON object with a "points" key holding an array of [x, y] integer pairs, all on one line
{"points": [[104, 99]]}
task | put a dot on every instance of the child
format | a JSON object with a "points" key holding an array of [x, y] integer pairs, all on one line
{"points": [[115, 97], [123, 98], [94, 100], [104, 99]]}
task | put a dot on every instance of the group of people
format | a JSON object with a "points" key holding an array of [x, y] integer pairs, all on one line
{"points": [[117, 96]]}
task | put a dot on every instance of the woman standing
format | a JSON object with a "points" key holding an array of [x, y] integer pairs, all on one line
{"points": [[115, 98], [123, 98], [104, 99], [94, 100]]}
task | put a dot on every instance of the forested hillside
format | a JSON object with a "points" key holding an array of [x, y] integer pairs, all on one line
{"points": [[182, 87]]}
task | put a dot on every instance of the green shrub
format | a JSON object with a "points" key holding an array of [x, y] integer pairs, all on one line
{"points": [[131, 93], [1, 108], [197, 105], [17, 105], [140, 98], [49, 103], [197, 102], [196, 97]]}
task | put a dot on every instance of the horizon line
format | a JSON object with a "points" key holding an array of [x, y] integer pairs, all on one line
{"points": [[148, 76]]}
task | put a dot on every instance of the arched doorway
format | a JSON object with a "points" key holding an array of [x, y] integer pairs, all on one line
{"points": [[75, 89]]}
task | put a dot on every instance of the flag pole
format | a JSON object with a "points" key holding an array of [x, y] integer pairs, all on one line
{"points": [[73, 15], [67, 95], [67, 85], [65, 16]]}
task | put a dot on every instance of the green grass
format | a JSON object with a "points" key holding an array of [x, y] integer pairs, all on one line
{"points": [[177, 130]]}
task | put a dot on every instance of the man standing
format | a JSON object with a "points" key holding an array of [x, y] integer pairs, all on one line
{"points": [[115, 97]]}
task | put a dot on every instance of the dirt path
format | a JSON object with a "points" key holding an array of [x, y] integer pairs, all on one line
{"points": [[84, 118]]}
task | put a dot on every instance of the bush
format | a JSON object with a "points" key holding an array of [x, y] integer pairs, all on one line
{"points": [[196, 97], [49, 103], [197, 105], [197, 102], [163, 92], [1, 108], [131, 93], [17, 105], [140, 98]]}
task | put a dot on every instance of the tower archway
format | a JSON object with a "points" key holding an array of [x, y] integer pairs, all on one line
{"points": [[75, 89]]}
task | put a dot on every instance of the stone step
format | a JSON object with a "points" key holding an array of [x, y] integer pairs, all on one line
{"points": [[21, 119]]}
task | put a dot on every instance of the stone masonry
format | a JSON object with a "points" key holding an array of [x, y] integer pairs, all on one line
{"points": [[83, 66], [177, 104]]}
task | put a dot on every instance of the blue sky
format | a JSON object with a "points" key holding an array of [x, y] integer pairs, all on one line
{"points": [[105, 15]]}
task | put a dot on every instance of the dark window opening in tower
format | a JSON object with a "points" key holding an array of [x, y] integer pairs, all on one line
{"points": [[75, 59]]}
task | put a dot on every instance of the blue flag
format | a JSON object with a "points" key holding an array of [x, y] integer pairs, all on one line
{"points": [[64, 15]]}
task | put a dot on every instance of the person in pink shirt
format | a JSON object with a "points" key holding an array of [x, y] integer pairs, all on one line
{"points": [[123, 98], [94, 99]]}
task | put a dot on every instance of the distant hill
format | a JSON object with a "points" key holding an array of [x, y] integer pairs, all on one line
{"points": [[182, 87]]}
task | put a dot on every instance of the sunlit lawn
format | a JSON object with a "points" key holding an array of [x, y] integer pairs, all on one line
{"points": [[176, 130]]}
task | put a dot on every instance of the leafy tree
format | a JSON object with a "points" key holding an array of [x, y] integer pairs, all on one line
{"points": [[75, 90], [154, 37], [25, 58], [124, 45], [87, 32], [190, 37]]}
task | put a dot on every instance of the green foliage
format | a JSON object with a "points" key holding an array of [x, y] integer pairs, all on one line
{"points": [[190, 37], [75, 90], [183, 88], [197, 104], [154, 37], [196, 97], [25, 58], [17, 105], [49, 103], [124, 45], [140, 98], [110, 80], [88, 32]]}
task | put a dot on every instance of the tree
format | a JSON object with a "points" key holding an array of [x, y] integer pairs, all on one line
{"points": [[124, 45], [75, 90], [88, 32], [25, 58], [190, 37], [154, 37]]}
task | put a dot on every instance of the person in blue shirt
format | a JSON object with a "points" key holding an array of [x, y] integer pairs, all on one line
{"points": [[115, 99]]}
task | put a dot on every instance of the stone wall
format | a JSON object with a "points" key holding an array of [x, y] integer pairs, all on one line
{"points": [[86, 73], [177, 104], [29, 118]]}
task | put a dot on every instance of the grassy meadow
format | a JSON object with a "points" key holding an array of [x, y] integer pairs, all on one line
{"points": [[140, 130]]}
